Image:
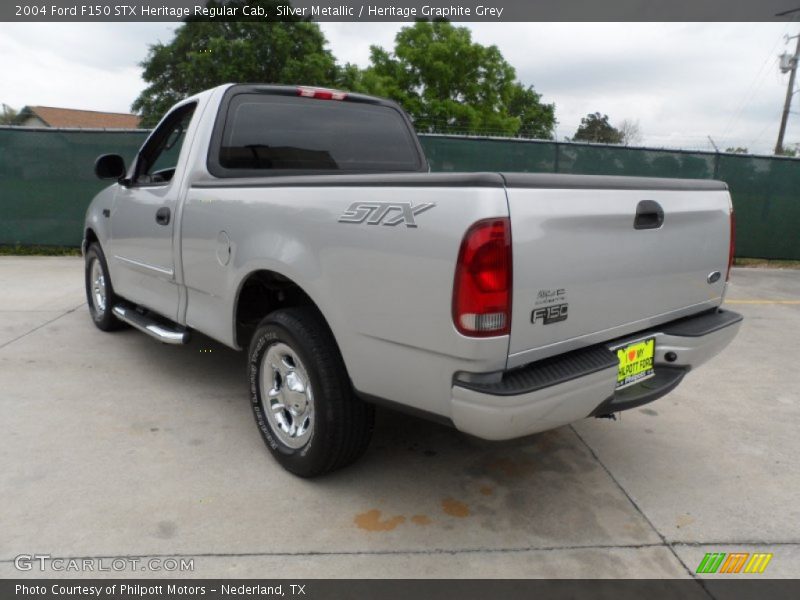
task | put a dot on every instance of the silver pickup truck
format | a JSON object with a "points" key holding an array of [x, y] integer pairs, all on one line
{"points": [[303, 225]]}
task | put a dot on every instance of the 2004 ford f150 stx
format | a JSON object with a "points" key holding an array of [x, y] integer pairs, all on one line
{"points": [[303, 225]]}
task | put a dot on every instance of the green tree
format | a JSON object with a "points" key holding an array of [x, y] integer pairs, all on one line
{"points": [[447, 82], [595, 128], [536, 120], [8, 115], [205, 53], [736, 150]]}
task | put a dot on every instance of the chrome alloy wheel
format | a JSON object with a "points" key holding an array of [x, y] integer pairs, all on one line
{"points": [[286, 395], [98, 282]]}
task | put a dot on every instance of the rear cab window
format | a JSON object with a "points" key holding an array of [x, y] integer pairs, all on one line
{"points": [[275, 131]]}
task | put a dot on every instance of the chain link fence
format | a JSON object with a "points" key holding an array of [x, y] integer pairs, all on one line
{"points": [[765, 190], [47, 179]]}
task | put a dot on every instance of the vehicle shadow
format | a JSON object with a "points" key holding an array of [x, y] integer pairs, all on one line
{"points": [[419, 480]]}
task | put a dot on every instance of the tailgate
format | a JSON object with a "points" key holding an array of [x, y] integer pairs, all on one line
{"points": [[584, 274]]}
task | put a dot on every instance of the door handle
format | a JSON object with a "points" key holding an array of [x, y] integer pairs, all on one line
{"points": [[162, 215], [649, 215]]}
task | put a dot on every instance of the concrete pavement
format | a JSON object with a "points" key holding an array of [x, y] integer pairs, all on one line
{"points": [[115, 446]]}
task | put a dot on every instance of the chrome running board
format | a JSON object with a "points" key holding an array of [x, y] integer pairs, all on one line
{"points": [[159, 331]]}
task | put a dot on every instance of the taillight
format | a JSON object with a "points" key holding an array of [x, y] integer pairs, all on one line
{"points": [[482, 287], [732, 247], [320, 94]]}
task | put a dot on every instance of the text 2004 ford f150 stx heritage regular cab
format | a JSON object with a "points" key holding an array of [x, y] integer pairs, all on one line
{"points": [[303, 225]]}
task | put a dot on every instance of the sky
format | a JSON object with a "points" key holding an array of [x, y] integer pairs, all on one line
{"points": [[682, 82]]}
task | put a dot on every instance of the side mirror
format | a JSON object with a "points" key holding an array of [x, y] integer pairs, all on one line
{"points": [[109, 166]]}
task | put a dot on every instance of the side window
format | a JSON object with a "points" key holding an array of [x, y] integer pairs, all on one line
{"points": [[159, 156]]}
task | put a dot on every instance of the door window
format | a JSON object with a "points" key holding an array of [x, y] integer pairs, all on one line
{"points": [[159, 156]]}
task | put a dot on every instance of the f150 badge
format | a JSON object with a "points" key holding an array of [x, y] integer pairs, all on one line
{"points": [[549, 314], [384, 213], [550, 306]]}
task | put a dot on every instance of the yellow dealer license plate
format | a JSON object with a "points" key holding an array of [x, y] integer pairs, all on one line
{"points": [[635, 362]]}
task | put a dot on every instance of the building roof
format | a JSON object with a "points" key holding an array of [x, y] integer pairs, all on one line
{"points": [[84, 119]]}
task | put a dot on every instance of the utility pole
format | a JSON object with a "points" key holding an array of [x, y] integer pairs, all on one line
{"points": [[792, 68]]}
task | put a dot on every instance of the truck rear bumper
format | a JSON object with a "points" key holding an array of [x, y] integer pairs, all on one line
{"points": [[566, 388]]}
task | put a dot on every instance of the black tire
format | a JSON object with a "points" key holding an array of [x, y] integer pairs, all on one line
{"points": [[342, 424], [104, 319]]}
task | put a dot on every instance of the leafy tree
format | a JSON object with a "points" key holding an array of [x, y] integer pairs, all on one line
{"points": [[205, 53], [787, 151], [536, 120], [8, 115], [595, 128], [736, 150], [447, 82]]}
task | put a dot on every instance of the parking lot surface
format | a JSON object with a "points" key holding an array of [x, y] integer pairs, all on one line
{"points": [[113, 445]]}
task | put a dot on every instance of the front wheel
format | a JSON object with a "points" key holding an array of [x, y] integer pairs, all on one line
{"points": [[99, 293], [301, 395]]}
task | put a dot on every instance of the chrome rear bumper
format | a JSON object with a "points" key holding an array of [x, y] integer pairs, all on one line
{"points": [[566, 388]]}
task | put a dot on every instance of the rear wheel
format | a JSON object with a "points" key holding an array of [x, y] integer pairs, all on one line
{"points": [[301, 395], [99, 292]]}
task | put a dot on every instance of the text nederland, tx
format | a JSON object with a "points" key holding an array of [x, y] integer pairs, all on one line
{"points": [[97, 591]]}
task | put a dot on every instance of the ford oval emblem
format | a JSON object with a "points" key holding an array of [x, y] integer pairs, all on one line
{"points": [[713, 277]]}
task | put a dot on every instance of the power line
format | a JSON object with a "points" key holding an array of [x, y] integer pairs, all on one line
{"points": [[754, 85], [760, 135]]}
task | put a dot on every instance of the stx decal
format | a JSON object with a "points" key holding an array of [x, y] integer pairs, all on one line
{"points": [[384, 213]]}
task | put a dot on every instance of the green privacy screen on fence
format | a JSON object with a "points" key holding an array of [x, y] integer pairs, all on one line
{"points": [[47, 180], [765, 191]]}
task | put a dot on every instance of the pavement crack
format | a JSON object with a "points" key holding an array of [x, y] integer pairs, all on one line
{"points": [[734, 543], [638, 509], [410, 552], [426, 551], [38, 327]]}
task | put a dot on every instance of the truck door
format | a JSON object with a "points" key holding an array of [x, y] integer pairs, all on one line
{"points": [[143, 217]]}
